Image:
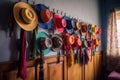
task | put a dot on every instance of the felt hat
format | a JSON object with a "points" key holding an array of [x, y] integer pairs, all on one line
{"points": [[70, 39], [77, 26], [57, 42], [45, 16], [25, 16], [70, 25], [94, 29], [77, 42], [43, 43], [84, 29], [59, 22], [98, 31]]}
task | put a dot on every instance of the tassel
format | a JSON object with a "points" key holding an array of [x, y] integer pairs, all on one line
{"points": [[41, 72], [22, 57], [71, 58]]}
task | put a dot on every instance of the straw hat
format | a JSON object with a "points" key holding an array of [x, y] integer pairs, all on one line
{"points": [[25, 16]]}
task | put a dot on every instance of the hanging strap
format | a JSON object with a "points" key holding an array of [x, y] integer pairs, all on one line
{"points": [[41, 72], [22, 56]]}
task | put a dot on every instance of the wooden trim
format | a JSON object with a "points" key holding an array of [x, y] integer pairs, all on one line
{"points": [[13, 65]]}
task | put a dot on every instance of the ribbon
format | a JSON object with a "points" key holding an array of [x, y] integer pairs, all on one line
{"points": [[41, 73], [22, 57]]}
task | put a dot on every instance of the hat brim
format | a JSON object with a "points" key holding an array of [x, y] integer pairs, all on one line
{"points": [[38, 36], [70, 31], [16, 10], [41, 24]]}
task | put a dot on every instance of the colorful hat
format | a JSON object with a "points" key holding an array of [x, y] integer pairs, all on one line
{"points": [[77, 42], [99, 31], [45, 16], [57, 42], [25, 16], [70, 39], [70, 25], [84, 29], [77, 25], [43, 42], [60, 23], [94, 29]]}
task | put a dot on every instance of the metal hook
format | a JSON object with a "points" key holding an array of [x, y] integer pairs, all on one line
{"points": [[53, 10], [61, 12], [65, 14], [57, 11]]}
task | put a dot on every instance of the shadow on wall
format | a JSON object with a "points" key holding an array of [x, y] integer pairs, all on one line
{"points": [[6, 10]]}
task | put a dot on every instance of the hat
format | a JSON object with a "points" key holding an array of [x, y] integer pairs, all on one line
{"points": [[25, 16], [57, 42], [94, 29], [70, 25], [45, 16], [70, 39], [84, 29], [43, 42], [98, 31], [77, 26], [77, 42], [60, 23]]}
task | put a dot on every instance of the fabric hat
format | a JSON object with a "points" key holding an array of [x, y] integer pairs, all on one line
{"points": [[43, 42], [94, 29], [70, 39], [99, 31], [70, 25], [77, 42], [60, 23], [84, 29], [57, 42], [25, 16], [77, 26], [45, 16]]}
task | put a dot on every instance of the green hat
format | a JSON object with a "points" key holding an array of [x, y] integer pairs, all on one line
{"points": [[43, 42]]}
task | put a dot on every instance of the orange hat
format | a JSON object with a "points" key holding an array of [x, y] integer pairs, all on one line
{"points": [[70, 39]]}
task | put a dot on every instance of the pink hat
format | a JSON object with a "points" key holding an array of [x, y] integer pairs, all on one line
{"points": [[59, 22]]}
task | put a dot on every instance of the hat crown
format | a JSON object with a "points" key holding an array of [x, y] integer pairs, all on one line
{"points": [[46, 15], [27, 15]]}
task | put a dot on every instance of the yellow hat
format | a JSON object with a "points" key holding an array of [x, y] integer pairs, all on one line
{"points": [[25, 16]]}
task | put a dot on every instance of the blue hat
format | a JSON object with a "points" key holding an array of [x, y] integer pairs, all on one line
{"points": [[70, 25], [45, 16], [41, 43]]}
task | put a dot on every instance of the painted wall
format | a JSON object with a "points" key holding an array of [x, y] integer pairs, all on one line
{"points": [[86, 10]]}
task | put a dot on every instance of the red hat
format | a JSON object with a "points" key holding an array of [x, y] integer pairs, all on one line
{"points": [[46, 15], [59, 22]]}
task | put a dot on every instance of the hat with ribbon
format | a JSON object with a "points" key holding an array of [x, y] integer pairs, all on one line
{"points": [[70, 39], [77, 42], [94, 29], [59, 22], [77, 25], [45, 16], [57, 42], [25, 16], [70, 25], [43, 43], [84, 29], [99, 31]]}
